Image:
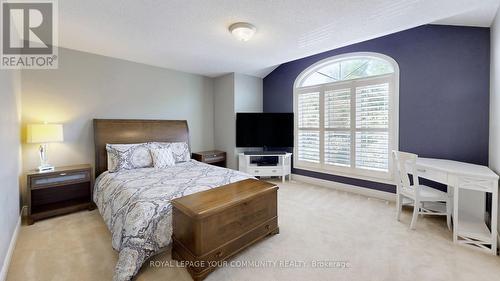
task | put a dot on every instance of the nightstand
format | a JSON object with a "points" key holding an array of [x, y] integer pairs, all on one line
{"points": [[64, 190], [214, 157]]}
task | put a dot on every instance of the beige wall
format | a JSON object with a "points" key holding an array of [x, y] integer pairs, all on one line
{"points": [[87, 86], [248, 93], [224, 117], [10, 161]]}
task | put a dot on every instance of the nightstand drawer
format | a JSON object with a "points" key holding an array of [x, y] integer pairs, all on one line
{"points": [[59, 179], [213, 158]]}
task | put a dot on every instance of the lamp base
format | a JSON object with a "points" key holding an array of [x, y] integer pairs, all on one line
{"points": [[44, 164], [46, 168]]}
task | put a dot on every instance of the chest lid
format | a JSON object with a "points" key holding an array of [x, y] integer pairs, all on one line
{"points": [[206, 203]]}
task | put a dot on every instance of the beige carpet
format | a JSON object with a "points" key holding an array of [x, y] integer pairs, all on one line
{"points": [[316, 224]]}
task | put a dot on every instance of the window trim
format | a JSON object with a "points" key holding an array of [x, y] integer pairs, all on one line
{"points": [[365, 174]]}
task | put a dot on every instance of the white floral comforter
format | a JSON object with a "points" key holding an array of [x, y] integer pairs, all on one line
{"points": [[135, 205]]}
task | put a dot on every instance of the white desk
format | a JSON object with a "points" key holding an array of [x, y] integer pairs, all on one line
{"points": [[470, 183]]}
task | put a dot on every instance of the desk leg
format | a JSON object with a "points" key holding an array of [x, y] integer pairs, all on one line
{"points": [[449, 206], [455, 214], [494, 219]]}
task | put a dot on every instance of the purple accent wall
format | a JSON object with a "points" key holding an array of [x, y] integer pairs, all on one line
{"points": [[443, 94]]}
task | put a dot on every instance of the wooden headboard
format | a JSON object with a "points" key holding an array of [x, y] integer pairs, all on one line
{"points": [[116, 131]]}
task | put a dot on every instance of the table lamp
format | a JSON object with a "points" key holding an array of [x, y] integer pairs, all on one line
{"points": [[44, 134]]}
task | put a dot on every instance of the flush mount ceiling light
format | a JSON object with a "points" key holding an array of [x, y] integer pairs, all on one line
{"points": [[243, 31]]}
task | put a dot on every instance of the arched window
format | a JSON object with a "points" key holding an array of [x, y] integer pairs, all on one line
{"points": [[346, 115]]}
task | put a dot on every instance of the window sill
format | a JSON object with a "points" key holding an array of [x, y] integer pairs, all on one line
{"points": [[373, 176]]}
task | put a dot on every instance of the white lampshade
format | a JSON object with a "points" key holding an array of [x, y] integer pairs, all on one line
{"points": [[44, 133]]}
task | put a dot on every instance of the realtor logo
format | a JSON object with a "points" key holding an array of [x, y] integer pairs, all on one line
{"points": [[29, 34]]}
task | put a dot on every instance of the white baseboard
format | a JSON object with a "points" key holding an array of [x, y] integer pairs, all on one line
{"points": [[10, 251], [347, 187]]}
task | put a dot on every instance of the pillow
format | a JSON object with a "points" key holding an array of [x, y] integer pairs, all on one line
{"points": [[162, 157], [180, 150], [128, 156]]}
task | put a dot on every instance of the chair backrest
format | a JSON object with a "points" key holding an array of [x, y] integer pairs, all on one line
{"points": [[406, 164]]}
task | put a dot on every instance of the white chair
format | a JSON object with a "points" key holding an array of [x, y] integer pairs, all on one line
{"points": [[420, 195]]}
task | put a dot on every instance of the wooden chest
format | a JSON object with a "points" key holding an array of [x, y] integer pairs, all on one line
{"points": [[213, 225]]}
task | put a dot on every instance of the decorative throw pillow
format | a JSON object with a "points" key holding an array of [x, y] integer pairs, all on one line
{"points": [[162, 157], [128, 156], [180, 150]]}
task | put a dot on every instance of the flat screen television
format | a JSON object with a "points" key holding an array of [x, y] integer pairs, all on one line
{"points": [[264, 129]]}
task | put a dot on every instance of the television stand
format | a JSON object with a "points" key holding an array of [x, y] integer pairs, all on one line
{"points": [[264, 153], [282, 168]]}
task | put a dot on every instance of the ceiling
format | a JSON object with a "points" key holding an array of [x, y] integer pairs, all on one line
{"points": [[481, 16], [192, 35]]}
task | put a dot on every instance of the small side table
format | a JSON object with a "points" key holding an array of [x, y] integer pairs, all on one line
{"points": [[213, 157], [62, 191]]}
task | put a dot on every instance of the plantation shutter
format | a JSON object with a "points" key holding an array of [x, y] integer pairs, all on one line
{"points": [[337, 149], [309, 127], [372, 127]]}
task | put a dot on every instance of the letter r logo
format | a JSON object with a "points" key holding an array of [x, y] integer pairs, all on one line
{"points": [[27, 28]]}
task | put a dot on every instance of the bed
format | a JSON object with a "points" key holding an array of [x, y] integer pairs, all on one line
{"points": [[135, 204]]}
